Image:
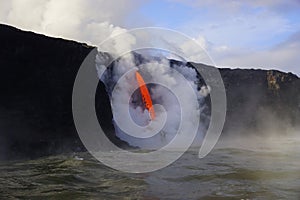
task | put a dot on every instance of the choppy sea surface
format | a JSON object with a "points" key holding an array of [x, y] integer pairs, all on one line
{"points": [[263, 170]]}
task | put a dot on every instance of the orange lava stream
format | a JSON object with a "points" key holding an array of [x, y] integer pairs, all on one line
{"points": [[145, 94]]}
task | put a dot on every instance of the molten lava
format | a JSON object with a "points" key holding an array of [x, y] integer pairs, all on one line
{"points": [[145, 94]]}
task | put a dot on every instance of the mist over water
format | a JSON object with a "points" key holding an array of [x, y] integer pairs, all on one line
{"points": [[264, 170]]}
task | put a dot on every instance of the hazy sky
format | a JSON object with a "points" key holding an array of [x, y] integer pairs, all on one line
{"points": [[245, 34]]}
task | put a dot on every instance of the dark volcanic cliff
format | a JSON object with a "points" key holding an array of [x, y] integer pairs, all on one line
{"points": [[261, 101], [36, 82], [37, 76]]}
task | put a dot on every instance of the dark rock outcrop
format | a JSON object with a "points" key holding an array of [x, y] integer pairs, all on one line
{"points": [[36, 82], [261, 101]]}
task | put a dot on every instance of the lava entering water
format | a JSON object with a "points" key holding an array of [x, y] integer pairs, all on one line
{"points": [[145, 94]]}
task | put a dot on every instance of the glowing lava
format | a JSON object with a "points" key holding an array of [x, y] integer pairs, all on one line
{"points": [[145, 94]]}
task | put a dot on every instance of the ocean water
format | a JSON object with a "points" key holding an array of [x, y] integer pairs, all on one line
{"points": [[262, 170]]}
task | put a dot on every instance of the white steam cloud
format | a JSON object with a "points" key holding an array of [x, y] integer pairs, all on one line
{"points": [[156, 71], [90, 21]]}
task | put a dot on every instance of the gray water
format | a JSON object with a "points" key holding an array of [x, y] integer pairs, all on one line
{"points": [[266, 170]]}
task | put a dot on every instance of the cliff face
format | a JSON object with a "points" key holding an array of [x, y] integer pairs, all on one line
{"points": [[36, 82], [37, 76], [261, 101]]}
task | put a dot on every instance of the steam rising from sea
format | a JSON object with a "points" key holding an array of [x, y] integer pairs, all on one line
{"points": [[125, 96]]}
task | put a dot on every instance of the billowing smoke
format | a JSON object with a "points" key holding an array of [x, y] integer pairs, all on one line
{"points": [[166, 83], [89, 21]]}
